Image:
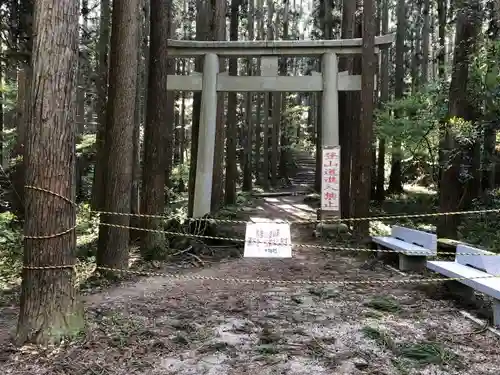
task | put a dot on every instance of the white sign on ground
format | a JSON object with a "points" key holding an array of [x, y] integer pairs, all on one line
{"points": [[268, 240], [330, 183]]}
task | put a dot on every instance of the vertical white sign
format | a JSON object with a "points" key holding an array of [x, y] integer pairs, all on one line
{"points": [[268, 240], [330, 179]]}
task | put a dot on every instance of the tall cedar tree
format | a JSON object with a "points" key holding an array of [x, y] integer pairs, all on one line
{"points": [[158, 132], [362, 154], [113, 240], [452, 193], [49, 301]]}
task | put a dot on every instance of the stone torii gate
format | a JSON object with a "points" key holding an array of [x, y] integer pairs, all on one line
{"points": [[329, 82]]}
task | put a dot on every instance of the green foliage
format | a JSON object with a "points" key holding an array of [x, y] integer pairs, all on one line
{"points": [[179, 179], [413, 121], [86, 146], [8, 97], [243, 199], [483, 230], [87, 221], [381, 337], [297, 131], [420, 353], [8, 141], [384, 303], [11, 247], [484, 80], [428, 353]]}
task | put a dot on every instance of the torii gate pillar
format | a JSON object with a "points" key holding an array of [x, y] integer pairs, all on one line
{"points": [[330, 100], [206, 137], [329, 82]]}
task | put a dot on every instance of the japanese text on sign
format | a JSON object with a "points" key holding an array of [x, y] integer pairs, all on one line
{"points": [[268, 240], [330, 184]]}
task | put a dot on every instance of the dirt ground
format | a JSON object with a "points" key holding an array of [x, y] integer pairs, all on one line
{"points": [[192, 327]]}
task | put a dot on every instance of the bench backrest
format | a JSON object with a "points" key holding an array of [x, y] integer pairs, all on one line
{"points": [[416, 237], [487, 263]]}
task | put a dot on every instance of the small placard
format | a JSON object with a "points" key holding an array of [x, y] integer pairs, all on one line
{"points": [[330, 184], [268, 240]]}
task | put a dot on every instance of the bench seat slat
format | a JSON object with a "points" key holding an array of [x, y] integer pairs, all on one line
{"points": [[490, 286], [402, 246]]}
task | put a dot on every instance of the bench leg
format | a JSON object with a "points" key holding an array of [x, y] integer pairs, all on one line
{"points": [[380, 255], [462, 291], [383, 255], [496, 312], [412, 263]]}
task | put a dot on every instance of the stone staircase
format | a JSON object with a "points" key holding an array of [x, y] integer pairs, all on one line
{"points": [[304, 177]]}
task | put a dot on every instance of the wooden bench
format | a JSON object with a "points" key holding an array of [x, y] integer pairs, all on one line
{"points": [[413, 246], [470, 266]]}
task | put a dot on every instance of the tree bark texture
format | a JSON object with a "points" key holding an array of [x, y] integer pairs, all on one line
{"points": [[18, 170], [113, 241], [384, 97], [232, 119], [49, 301], [247, 132], [452, 193], [102, 96], [158, 132], [362, 157], [395, 180], [218, 32], [345, 110]]}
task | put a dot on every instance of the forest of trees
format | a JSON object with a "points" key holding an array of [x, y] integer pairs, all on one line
{"points": [[435, 124]]}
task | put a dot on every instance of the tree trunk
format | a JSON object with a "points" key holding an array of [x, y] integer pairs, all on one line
{"points": [[170, 128], [10, 77], [49, 307], [140, 113], [395, 180], [284, 123], [219, 33], [18, 172], [274, 104], [258, 124], [158, 131], [266, 163], [489, 131], [362, 157], [355, 113], [345, 110], [232, 122], [182, 132], [384, 97], [452, 193], [102, 97], [426, 33], [25, 46], [82, 97], [441, 8], [248, 132], [113, 241]]}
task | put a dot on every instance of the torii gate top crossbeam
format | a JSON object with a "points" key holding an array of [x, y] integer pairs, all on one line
{"points": [[192, 48]]}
